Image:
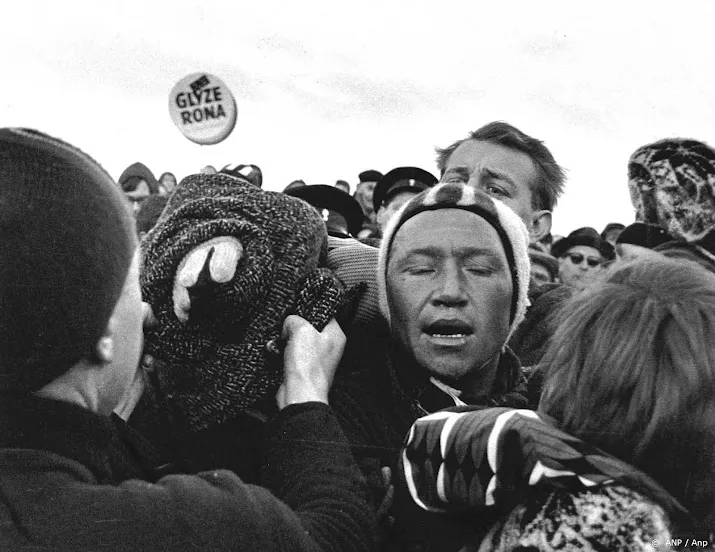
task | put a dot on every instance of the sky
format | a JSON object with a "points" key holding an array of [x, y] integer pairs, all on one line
{"points": [[326, 89]]}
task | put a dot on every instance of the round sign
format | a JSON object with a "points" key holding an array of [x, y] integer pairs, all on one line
{"points": [[203, 109]]}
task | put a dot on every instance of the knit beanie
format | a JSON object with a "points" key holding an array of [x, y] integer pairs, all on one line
{"points": [[68, 238], [509, 227], [215, 365], [672, 185]]}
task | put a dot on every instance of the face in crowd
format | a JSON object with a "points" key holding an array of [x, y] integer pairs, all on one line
{"points": [[580, 266], [392, 205], [503, 173], [540, 274], [363, 195], [449, 291]]}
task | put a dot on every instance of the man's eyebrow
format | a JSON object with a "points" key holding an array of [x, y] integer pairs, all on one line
{"points": [[501, 175], [462, 252]]}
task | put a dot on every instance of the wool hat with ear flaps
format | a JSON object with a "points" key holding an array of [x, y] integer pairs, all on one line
{"points": [[69, 239], [509, 227]]}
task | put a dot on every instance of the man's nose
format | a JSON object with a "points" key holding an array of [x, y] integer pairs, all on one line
{"points": [[450, 291]]}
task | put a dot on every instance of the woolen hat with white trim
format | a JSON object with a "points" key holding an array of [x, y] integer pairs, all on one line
{"points": [[509, 227]]}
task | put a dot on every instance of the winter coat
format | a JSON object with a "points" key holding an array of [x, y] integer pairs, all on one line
{"points": [[68, 482]]}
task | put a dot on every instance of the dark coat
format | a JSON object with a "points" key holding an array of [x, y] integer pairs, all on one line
{"points": [[67, 481], [378, 395]]}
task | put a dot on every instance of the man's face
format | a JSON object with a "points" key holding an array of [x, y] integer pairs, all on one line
{"points": [[363, 194], [504, 174], [580, 266], [540, 274], [449, 291], [126, 331], [391, 206], [138, 196]]}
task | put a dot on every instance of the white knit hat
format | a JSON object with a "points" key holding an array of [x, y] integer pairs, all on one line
{"points": [[511, 231]]}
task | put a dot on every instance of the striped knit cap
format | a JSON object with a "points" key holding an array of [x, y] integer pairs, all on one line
{"points": [[672, 185], [510, 229]]}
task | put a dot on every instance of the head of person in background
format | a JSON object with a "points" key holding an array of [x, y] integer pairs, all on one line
{"points": [[82, 324], [581, 256], [340, 211], [544, 266], [138, 183], [509, 165], [396, 188], [611, 232], [250, 173], [364, 190], [209, 169], [639, 240], [637, 348], [295, 184], [168, 182], [672, 186], [343, 185]]}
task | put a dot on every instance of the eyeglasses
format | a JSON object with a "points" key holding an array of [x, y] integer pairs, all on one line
{"points": [[577, 259]]}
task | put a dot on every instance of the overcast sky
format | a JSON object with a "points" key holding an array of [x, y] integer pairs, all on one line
{"points": [[327, 89]]}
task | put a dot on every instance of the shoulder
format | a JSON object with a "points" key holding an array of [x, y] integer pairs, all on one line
{"points": [[609, 518]]}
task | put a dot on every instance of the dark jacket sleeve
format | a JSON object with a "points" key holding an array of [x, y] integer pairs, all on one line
{"points": [[313, 501]]}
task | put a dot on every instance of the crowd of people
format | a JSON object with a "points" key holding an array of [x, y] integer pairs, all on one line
{"points": [[418, 365]]}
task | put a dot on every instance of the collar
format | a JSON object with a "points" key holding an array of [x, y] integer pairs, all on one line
{"points": [[106, 446]]}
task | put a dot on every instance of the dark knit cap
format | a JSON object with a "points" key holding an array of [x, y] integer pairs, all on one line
{"points": [[71, 238], [251, 173]]}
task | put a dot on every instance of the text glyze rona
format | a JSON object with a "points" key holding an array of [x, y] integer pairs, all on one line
{"points": [[206, 104]]}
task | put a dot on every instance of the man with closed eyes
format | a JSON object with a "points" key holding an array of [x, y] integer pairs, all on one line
{"points": [[452, 280]]}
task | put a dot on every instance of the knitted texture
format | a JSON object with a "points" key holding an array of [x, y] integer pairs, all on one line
{"points": [[68, 239], [672, 185], [473, 459], [511, 230], [356, 263], [215, 365], [612, 518]]}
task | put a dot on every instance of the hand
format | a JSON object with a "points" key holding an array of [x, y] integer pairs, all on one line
{"points": [[212, 262], [309, 361]]}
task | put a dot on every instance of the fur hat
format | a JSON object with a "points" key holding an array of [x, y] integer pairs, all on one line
{"points": [[510, 229], [672, 185], [68, 239], [215, 365]]}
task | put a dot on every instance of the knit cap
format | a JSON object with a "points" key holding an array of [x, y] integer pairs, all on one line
{"points": [[215, 365], [68, 238], [509, 227], [672, 185]]}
